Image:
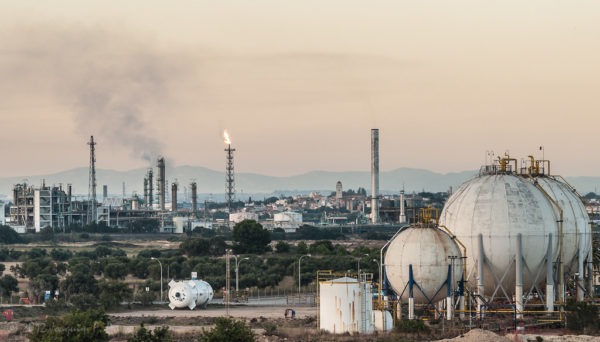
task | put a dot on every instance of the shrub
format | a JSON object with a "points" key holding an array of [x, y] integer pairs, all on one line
{"points": [[76, 326], [581, 315], [228, 330], [411, 326], [159, 334]]}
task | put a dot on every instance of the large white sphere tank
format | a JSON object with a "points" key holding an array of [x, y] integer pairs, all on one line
{"points": [[189, 293], [427, 249], [576, 229], [498, 207]]}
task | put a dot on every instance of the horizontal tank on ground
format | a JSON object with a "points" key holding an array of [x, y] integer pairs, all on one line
{"points": [[189, 293]]}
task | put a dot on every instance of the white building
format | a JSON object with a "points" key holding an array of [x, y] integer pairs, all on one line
{"points": [[244, 215], [2, 217], [289, 221]]}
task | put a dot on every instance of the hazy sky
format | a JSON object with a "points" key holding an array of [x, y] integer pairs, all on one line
{"points": [[298, 84]]}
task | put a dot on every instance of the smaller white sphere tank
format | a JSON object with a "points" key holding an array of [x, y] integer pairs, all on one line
{"points": [[189, 293], [427, 249]]}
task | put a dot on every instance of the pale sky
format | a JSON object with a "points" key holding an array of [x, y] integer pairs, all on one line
{"points": [[298, 84]]}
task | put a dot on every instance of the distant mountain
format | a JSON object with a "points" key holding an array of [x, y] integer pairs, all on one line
{"points": [[248, 184]]}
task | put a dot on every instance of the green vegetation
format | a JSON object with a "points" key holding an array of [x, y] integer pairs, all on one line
{"points": [[9, 236], [582, 316], [411, 326], [159, 334], [77, 326], [227, 330], [249, 236]]}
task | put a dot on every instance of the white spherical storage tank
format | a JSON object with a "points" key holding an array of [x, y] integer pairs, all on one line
{"points": [[428, 250], [576, 229], [488, 213], [189, 293], [345, 306]]}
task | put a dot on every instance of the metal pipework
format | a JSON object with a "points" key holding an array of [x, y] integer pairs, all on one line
{"points": [[549, 276], [505, 161], [519, 278], [464, 275], [531, 166]]}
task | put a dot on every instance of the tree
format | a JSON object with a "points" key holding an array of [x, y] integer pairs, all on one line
{"points": [[250, 237], [282, 247], [115, 270], [195, 247], [9, 235], [301, 248], [112, 293], [77, 326], [228, 330], [8, 285], [217, 246], [79, 282], [159, 334], [61, 254]]}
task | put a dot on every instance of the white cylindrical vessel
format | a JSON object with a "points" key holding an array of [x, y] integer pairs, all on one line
{"points": [[189, 293], [346, 306]]}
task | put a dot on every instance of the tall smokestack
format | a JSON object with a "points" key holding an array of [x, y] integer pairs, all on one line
{"points": [[194, 198], [161, 183], [174, 197], [375, 175], [146, 191], [150, 189], [104, 191], [402, 218], [92, 205]]}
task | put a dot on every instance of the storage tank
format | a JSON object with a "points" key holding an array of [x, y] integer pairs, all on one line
{"points": [[189, 293], [488, 213], [577, 233], [346, 306], [427, 249]]}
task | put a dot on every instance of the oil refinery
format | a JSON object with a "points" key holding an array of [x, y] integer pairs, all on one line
{"points": [[510, 242]]}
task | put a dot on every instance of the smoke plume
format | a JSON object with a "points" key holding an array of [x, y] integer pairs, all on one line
{"points": [[113, 84]]}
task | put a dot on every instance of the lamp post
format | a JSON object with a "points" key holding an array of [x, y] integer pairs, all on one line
{"points": [[299, 272], [237, 272], [161, 278]]}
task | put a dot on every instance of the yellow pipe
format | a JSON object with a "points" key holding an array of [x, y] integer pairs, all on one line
{"points": [[505, 161], [532, 162]]}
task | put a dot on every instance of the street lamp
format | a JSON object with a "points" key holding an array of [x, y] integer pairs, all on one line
{"points": [[161, 279], [299, 273], [237, 272]]}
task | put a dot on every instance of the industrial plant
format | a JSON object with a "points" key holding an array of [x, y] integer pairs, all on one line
{"points": [[514, 240], [34, 208]]}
